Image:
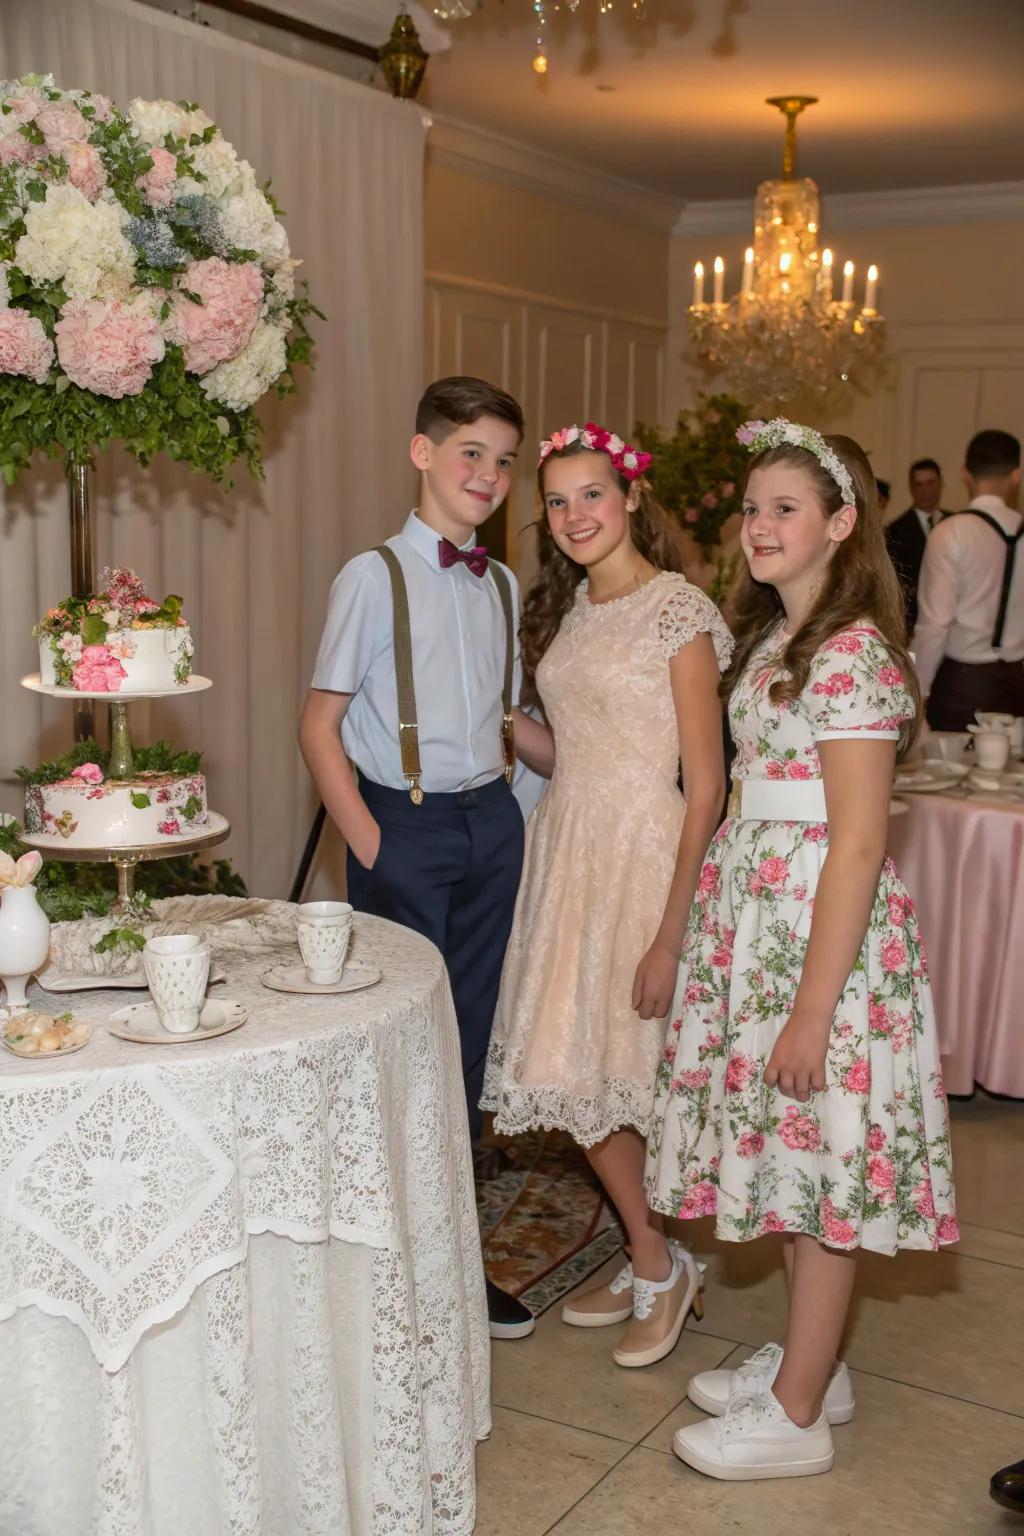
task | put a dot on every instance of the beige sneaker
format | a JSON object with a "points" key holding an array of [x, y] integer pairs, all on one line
{"points": [[660, 1309], [604, 1304]]}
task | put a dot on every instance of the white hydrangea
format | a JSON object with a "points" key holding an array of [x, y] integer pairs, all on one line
{"points": [[67, 239], [241, 381], [154, 120], [248, 222], [5, 290], [219, 165]]}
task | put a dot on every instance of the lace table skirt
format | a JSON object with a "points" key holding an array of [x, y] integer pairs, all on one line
{"points": [[185, 1374]]}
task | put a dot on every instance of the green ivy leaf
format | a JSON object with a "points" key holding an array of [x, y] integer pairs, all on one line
{"points": [[141, 800], [94, 630]]}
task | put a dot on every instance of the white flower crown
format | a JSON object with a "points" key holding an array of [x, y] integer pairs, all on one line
{"points": [[756, 436]]}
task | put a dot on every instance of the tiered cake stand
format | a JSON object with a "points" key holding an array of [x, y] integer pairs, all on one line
{"points": [[125, 858]]}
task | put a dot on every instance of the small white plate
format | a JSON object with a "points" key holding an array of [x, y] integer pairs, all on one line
{"points": [[929, 777], [141, 1023], [69, 1050], [292, 978], [52, 981]]}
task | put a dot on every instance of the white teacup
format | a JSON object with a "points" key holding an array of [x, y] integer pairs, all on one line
{"points": [[991, 720], [325, 928], [177, 968], [992, 749]]}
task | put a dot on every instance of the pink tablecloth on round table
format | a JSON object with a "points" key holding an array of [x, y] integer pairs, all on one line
{"points": [[961, 861]]}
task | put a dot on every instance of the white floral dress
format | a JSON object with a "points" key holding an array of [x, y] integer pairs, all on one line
{"points": [[865, 1163], [568, 1050]]}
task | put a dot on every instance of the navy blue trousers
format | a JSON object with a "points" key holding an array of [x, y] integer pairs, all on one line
{"points": [[449, 869]]}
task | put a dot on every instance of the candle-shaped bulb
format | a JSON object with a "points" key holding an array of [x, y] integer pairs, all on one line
{"points": [[826, 275], [848, 283], [719, 280], [748, 272], [871, 291], [826, 257], [698, 284]]}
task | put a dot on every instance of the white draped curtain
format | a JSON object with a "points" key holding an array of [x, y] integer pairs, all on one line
{"points": [[253, 564]]}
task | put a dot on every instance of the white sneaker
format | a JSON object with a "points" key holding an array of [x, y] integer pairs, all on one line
{"points": [[756, 1439], [711, 1390]]}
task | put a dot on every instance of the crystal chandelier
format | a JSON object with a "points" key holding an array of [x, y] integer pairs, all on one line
{"points": [[785, 336], [461, 10]]}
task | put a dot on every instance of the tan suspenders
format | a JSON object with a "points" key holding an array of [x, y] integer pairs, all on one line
{"points": [[408, 720]]}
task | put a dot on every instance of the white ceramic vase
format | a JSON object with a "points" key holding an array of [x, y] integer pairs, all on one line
{"points": [[24, 940]]}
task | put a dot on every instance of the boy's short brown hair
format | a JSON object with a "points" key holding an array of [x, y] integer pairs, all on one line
{"points": [[458, 401]]}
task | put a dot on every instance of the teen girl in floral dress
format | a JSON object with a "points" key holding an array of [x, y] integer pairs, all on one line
{"points": [[800, 1090]]}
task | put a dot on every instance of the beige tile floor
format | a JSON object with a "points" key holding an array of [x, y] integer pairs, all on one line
{"points": [[936, 1346]]}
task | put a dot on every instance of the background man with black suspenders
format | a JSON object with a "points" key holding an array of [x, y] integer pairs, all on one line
{"points": [[414, 690], [969, 638]]}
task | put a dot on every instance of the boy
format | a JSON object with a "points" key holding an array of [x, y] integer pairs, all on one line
{"points": [[435, 838]]}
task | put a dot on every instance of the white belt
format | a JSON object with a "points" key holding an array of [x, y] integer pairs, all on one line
{"points": [[778, 800]]}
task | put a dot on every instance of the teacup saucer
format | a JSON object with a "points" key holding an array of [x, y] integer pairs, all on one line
{"points": [[292, 978], [140, 1022]]}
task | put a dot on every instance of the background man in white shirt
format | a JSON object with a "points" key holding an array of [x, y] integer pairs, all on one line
{"points": [[907, 535], [969, 639]]}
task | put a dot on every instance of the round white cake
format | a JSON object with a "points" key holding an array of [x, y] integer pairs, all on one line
{"points": [[160, 660], [118, 813]]}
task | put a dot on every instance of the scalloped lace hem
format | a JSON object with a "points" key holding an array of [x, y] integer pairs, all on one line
{"points": [[623, 1104]]}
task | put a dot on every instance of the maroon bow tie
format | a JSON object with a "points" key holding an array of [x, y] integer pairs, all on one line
{"points": [[475, 558]]}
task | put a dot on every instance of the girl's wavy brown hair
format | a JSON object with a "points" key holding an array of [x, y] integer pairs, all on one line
{"points": [[860, 584], [554, 589]]}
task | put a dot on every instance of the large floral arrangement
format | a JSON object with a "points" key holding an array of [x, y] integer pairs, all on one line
{"points": [[698, 470], [147, 291]]}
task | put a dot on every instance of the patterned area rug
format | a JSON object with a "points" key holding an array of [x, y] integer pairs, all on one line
{"points": [[544, 1222]]}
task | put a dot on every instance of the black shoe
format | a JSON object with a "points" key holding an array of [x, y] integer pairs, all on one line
{"points": [[1006, 1487], [508, 1318]]}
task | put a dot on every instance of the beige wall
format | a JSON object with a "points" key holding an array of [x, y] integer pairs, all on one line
{"points": [[953, 299], [563, 306]]}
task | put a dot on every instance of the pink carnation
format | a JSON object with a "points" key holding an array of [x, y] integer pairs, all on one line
{"points": [[108, 346], [699, 1200], [801, 1133], [89, 773], [217, 329], [25, 347], [738, 1073], [22, 106], [858, 1077], [750, 1144], [894, 955], [876, 1139], [157, 185], [61, 125], [85, 170], [98, 671]]}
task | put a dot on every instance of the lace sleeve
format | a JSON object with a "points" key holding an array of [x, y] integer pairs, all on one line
{"points": [[688, 612]]}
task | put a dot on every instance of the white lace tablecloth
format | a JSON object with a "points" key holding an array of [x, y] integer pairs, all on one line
{"points": [[186, 1372]]}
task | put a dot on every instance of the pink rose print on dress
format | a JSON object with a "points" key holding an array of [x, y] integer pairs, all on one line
{"points": [[774, 770], [750, 1144], [773, 872], [816, 833], [738, 1073], [894, 955], [800, 1132], [771, 1221], [891, 677], [897, 908], [834, 1230], [696, 1077], [858, 1077], [797, 770], [670, 1053], [98, 671], [699, 1200], [849, 645], [833, 686], [876, 1139], [882, 1177], [924, 1202], [708, 884], [879, 1021], [949, 1230]]}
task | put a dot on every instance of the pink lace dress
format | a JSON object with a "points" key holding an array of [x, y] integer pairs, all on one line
{"points": [[568, 1051]]}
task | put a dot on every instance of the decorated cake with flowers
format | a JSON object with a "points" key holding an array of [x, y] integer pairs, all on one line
{"points": [[164, 800], [119, 640]]}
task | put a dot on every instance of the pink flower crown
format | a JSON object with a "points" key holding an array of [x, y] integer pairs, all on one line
{"points": [[629, 461]]}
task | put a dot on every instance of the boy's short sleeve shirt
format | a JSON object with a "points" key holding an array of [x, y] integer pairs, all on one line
{"points": [[458, 646]]}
